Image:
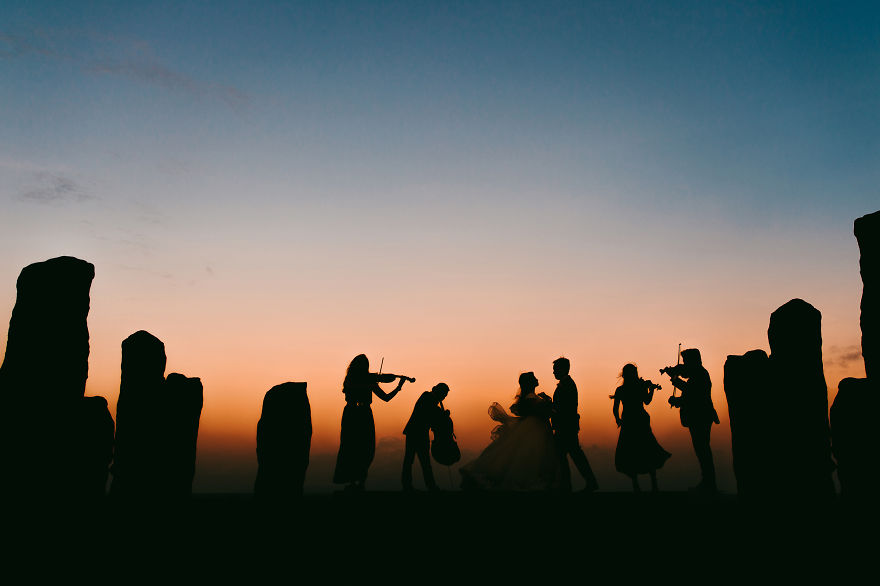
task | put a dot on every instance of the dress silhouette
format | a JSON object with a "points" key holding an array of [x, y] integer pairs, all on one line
{"points": [[638, 451], [357, 444], [522, 455]]}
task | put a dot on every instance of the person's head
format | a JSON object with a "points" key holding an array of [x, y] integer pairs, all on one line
{"points": [[360, 364], [440, 390], [358, 369], [528, 382], [629, 372], [691, 357], [561, 367]]}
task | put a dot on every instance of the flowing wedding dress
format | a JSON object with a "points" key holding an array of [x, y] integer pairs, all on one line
{"points": [[522, 455]]}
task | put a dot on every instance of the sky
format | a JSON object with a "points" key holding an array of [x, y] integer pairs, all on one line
{"points": [[467, 190]]}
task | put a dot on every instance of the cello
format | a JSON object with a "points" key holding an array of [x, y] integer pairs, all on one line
{"points": [[444, 448]]}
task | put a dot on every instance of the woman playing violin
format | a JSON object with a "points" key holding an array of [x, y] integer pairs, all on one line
{"points": [[357, 444]]}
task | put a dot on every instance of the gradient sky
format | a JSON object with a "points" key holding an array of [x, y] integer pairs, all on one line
{"points": [[467, 189]]}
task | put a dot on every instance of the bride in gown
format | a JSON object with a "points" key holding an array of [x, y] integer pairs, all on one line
{"points": [[522, 455]]}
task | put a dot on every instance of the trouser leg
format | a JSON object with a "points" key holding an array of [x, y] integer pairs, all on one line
{"points": [[423, 451], [564, 470], [700, 439], [408, 457], [583, 465]]}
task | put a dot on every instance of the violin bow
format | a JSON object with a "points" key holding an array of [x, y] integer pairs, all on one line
{"points": [[677, 361]]}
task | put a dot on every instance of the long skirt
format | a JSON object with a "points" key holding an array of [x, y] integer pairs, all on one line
{"points": [[638, 451], [357, 444]]}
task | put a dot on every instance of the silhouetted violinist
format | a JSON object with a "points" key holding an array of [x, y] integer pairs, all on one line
{"points": [[357, 445], [638, 451], [696, 410]]}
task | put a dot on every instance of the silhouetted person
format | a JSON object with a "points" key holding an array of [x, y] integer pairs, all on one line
{"points": [[357, 443], [522, 455], [696, 411], [566, 425], [426, 413], [638, 451], [284, 436]]}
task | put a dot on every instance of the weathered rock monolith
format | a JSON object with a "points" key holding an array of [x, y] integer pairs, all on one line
{"points": [[867, 231], [855, 409], [157, 424], [284, 435], [801, 401], [746, 382], [55, 441], [778, 405], [184, 398], [854, 426], [137, 462]]}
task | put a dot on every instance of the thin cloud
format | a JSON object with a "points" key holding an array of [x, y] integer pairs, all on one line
{"points": [[55, 188], [154, 73], [845, 357], [90, 52]]}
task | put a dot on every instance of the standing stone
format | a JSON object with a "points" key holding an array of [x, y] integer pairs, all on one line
{"points": [[778, 407], [752, 433], [867, 231], [55, 441], [854, 438], [157, 424], [854, 412], [184, 398], [801, 398], [284, 435], [47, 352], [137, 461]]}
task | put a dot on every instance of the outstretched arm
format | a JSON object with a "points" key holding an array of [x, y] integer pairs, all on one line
{"points": [[377, 390]]}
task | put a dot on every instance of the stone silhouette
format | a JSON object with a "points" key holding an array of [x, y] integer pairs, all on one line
{"points": [[284, 437], [854, 438], [854, 411], [157, 423], [55, 441], [867, 231], [746, 384], [779, 410], [186, 396]]}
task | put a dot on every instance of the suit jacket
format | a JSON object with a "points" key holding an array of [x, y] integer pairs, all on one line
{"points": [[565, 407], [425, 413], [695, 403]]}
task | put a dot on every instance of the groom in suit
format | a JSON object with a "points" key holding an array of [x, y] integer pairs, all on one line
{"points": [[565, 427]]}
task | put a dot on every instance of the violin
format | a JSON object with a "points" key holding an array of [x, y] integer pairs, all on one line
{"points": [[387, 377]]}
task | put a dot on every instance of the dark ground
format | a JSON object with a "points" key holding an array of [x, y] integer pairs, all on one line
{"points": [[459, 537]]}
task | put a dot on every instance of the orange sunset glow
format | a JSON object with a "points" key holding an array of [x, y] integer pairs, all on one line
{"points": [[462, 193]]}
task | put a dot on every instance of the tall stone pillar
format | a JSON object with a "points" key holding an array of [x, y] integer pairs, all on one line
{"points": [[867, 231], [284, 435], [157, 424], [855, 409], [55, 441]]}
